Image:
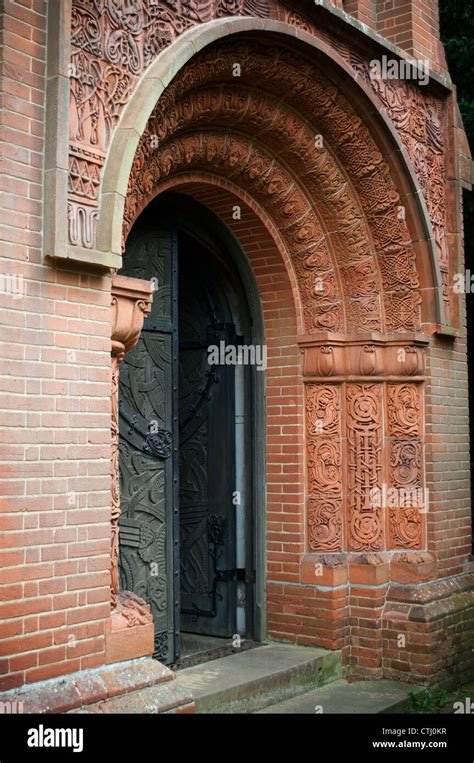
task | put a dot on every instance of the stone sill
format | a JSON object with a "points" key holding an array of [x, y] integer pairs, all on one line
{"points": [[102, 261]]}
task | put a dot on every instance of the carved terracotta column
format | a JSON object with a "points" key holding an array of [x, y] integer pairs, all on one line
{"points": [[366, 496], [131, 303], [364, 428], [130, 632]]}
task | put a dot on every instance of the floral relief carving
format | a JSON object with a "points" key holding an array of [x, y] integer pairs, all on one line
{"points": [[288, 134], [325, 524], [404, 410], [364, 457], [324, 465], [405, 465], [272, 187], [419, 120]]}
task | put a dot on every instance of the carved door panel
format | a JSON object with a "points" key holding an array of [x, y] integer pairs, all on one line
{"points": [[148, 442], [207, 458]]}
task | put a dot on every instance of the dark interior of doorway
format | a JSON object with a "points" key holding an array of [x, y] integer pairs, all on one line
{"points": [[211, 582]]}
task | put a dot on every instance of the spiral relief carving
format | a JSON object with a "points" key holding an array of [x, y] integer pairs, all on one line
{"points": [[404, 410], [406, 466], [323, 429]]}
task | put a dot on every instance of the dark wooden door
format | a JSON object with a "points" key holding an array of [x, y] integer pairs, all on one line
{"points": [[206, 451], [148, 442]]}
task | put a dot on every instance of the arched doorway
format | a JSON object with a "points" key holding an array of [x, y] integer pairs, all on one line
{"points": [[187, 426], [344, 268]]}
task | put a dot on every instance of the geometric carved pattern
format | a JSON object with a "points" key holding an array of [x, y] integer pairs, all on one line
{"points": [[364, 440], [112, 44], [418, 119], [405, 465], [324, 463]]}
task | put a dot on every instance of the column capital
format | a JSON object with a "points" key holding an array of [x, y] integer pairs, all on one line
{"points": [[365, 357], [131, 303]]}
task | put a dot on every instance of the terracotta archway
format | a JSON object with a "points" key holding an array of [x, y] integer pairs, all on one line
{"points": [[331, 188], [160, 73], [297, 143]]}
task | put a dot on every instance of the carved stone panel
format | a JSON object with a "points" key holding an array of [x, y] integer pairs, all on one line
{"points": [[365, 466], [324, 464], [406, 499]]}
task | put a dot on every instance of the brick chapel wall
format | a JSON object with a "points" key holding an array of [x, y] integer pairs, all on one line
{"points": [[55, 441], [54, 401], [413, 25]]}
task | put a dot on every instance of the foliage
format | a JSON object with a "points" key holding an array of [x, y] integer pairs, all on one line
{"points": [[426, 702], [457, 35]]}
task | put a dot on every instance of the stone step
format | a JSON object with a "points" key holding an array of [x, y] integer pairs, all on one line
{"points": [[249, 681], [370, 697], [162, 698]]}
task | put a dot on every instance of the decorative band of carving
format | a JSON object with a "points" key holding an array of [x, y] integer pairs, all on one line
{"points": [[338, 357], [365, 470], [365, 467]]}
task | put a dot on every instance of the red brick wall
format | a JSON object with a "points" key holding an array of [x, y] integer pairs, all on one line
{"points": [[362, 10], [447, 428], [54, 402], [413, 25]]}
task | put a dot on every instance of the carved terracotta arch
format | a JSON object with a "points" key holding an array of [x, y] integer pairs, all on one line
{"points": [[274, 190], [340, 192], [349, 75]]}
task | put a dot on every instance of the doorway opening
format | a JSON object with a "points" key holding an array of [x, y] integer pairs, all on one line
{"points": [[190, 499]]}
